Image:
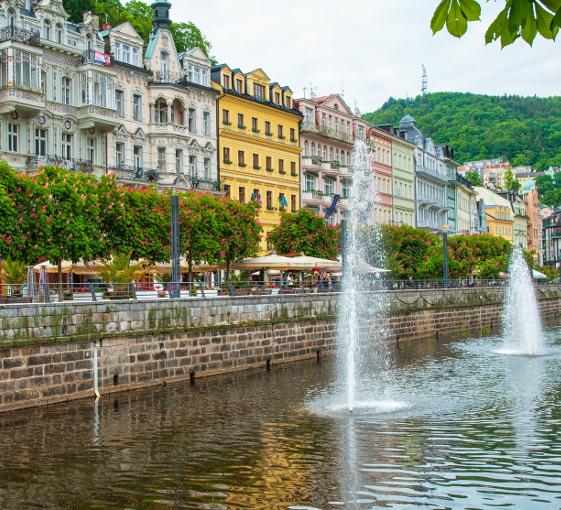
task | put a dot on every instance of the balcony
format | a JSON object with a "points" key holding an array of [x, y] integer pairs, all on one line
{"points": [[312, 197], [170, 129], [15, 34], [322, 130], [129, 173], [204, 184], [27, 103], [96, 57], [311, 161], [100, 118], [425, 172]]}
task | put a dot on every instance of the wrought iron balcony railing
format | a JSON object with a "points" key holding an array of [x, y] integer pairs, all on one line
{"points": [[13, 33]]}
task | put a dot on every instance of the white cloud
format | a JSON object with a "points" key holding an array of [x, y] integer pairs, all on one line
{"points": [[374, 47]]}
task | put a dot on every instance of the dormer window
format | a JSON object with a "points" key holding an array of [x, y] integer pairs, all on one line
{"points": [[198, 74], [288, 102], [239, 86], [128, 54], [226, 82], [277, 98], [259, 91]]}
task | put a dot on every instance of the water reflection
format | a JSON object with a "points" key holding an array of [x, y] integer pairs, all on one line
{"points": [[482, 431]]}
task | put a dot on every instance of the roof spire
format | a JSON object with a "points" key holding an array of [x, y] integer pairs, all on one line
{"points": [[161, 10]]}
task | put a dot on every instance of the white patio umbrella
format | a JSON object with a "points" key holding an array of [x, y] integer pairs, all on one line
{"points": [[536, 275], [306, 263], [272, 261]]}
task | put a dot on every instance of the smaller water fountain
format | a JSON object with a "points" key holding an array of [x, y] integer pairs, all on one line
{"points": [[522, 327]]}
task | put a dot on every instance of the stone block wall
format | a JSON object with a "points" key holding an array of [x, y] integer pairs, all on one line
{"points": [[47, 352]]}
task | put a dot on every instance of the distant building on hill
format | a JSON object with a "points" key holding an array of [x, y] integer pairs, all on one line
{"points": [[491, 171]]}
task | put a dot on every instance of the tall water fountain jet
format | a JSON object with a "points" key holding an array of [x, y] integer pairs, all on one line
{"points": [[361, 310], [522, 327]]}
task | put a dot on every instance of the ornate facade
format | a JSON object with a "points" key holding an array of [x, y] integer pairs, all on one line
{"points": [[94, 101]]}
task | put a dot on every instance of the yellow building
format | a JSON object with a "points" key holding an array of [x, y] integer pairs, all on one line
{"points": [[498, 213], [259, 146]]}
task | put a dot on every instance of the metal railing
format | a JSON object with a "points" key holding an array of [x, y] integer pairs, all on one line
{"points": [[41, 292], [13, 33], [137, 173]]}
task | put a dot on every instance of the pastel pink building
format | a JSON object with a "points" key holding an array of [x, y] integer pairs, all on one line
{"points": [[381, 146]]}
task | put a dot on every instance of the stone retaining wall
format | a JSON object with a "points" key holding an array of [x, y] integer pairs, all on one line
{"points": [[47, 352]]}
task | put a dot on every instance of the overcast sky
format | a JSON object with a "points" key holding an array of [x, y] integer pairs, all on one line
{"points": [[374, 49]]}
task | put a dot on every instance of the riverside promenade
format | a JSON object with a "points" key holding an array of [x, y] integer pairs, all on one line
{"points": [[57, 352]]}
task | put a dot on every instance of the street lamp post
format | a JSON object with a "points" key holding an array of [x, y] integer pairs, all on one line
{"points": [[445, 253], [175, 291]]}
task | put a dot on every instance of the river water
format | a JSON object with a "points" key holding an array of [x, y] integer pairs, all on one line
{"points": [[475, 429]]}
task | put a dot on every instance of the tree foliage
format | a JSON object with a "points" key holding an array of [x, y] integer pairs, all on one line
{"points": [[549, 189], [474, 178], [510, 181], [140, 15], [305, 233], [518, 19], [524, 130]]}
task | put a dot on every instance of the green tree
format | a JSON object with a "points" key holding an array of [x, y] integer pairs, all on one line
{"points": [[510, 181], [73, 217], [474, 178], [201, 226], [482, 127], [305, 233], [76, 9], [241, 232], [518, 19], [188, 35]]}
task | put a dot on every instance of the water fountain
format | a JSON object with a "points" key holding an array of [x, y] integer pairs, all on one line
{"points": [[361, 313], [522, 328]]}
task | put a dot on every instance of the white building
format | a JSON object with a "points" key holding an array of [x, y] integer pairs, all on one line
{"points": [[97, 102]]}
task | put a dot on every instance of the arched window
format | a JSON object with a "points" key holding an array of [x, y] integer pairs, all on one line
{"points": [[59, 33], [331, 154], [337, 156], [325, 152], [161, 112], [306, 148], [11, 17], [313, 148], [89, 43], [47, 30], [319, 150]]}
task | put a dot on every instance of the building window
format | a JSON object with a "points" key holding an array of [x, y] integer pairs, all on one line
{"points": [[164, 66], [256, 162], [198, 74], [179, 161], [207, 168], [161, 112], [137, 107], [161, 158], [277, 98], [227, 189], [329, 186], [288, 102], [269, 163], [293, 203], [128, 54], [239, 86], [206, 123], [226, 82], [254, 125], [310, 182], [120, 154], [41, 142], [226, 117], [259, 91], [138, 157], [193, 166], [67, 140], [120, 102], [293, 135], [226, 155], [281, 132], [192, 120], [59, 33], [269, 200], [66, 90], [28, 74], [241, 194], [241, 158], [47, 30], [268, 131], [240, 121], [281, 166], [293, 170], [91, 146]]}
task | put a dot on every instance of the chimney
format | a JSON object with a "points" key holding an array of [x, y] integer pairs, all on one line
{"points": [[90, 16]]}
